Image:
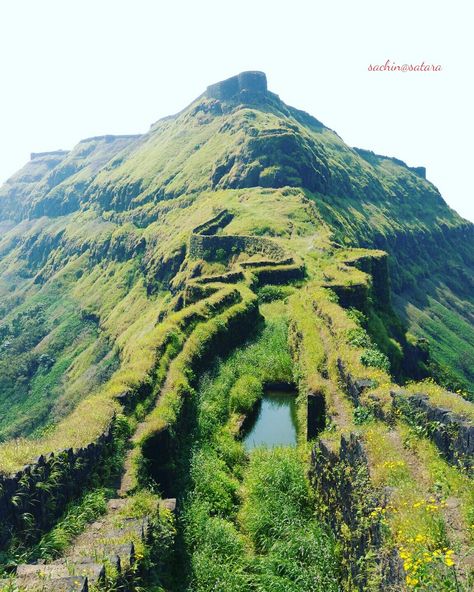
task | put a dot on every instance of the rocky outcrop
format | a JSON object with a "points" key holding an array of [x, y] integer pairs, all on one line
{"points": [[273, 158], [376, 159], [54, 183]]}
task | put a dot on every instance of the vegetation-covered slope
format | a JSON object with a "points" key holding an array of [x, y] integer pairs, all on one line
{"points": [[129, 263]]}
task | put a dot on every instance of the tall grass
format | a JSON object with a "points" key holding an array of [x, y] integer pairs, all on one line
{"points": [[53, 543], [293, 551], [249, 526]]}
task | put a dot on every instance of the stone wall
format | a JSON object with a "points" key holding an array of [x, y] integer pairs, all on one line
{"points": [[165, 451], [205, 247], [267, 262], [452, 434], [420, 171], [231, 277], [345, 494], [34, 497], [357, 295], [279, 274], [212, 225], [377, 268], [351, 296], [35, 155], [354, 387], [316, 414]]}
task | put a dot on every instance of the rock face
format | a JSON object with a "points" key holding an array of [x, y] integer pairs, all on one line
{"points": [[252, 81], [60, 153]]}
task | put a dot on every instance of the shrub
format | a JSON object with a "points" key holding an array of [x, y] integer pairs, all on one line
{"points": [[376, 359], [362, 415], [245, 393], [270, 293], [357, 316], [358, 338]]}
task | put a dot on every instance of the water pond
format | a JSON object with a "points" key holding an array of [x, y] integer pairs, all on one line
{"points": [[273, 422]]}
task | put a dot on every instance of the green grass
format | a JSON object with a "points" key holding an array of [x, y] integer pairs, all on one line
{"points": [[294, 552], [225, 496], [81, 294], [95, 412]]}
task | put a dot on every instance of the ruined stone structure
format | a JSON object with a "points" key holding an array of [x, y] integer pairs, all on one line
{"points": [[452, 434], [251, 81]]}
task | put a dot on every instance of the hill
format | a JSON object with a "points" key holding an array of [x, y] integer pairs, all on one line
{"points": [[153, 288]]}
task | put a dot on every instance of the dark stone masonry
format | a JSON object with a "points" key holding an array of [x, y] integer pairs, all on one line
{"points": [[36, 155], [452, 434], [251, 81], [340, 476], [42, 489]]}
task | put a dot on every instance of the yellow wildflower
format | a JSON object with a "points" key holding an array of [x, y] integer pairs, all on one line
{"points": [[448, 561]]}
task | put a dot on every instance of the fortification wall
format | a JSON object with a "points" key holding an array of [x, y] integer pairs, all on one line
{"points": [[251, 81], [452, 434], [206, 247], [344, 490], [32, 498], [377, 268], [36, 155]]}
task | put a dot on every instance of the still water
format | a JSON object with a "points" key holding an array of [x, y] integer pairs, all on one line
{"points": [[274, 421]]}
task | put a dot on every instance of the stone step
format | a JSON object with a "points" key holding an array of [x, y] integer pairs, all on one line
{"points": [[110, 561], [104, 532], [60, 584], [94, 572], [125, 552], [169, 503]]}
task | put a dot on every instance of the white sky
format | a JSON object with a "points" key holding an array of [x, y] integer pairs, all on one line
{"points": [[77, 68]]}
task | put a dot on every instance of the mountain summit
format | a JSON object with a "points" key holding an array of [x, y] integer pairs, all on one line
{"points": [[245, 82], [156, 289], [238, 135]]}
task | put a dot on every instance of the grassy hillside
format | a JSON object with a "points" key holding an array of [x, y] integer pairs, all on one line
{"points": [[131, 263], [214, 146]]}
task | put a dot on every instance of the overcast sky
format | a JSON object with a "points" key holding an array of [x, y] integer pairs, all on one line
{"points": [[77, 68]]}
